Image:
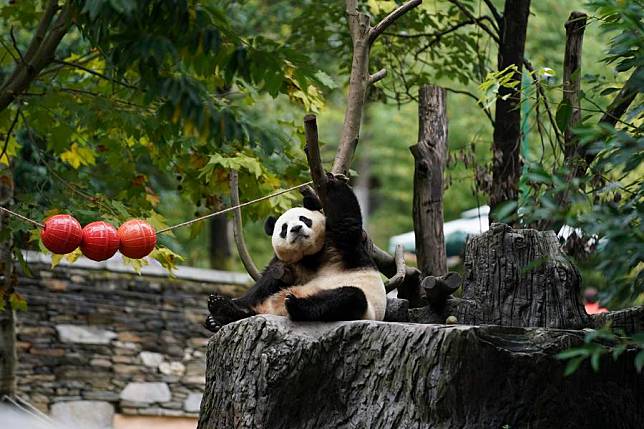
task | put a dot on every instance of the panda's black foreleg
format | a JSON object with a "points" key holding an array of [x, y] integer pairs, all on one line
{"points": [[343, 217], [345, 303]]}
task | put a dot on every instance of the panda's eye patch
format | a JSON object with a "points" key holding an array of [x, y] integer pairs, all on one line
{"points": [[283, 232], [308, 222]]}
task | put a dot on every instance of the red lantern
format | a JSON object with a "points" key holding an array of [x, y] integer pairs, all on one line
{"points": [[100, 241], [138, 238], [62, 234]]}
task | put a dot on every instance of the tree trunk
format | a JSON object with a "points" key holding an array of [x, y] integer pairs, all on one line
{"points": [[8, 354], [430, 157], [520, 278], [269, 372], [506, 163], [220, 244]]}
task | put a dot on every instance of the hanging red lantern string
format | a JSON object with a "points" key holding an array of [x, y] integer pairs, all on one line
{"points": [[62, 234]]}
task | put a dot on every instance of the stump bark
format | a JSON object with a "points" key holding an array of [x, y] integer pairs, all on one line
{"points": [[520, 278], [269, 372]]}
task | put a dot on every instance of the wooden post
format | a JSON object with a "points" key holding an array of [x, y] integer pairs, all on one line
{"points": [[575, 27], [430, 157], [506, 163]]}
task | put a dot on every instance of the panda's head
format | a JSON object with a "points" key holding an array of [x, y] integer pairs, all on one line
{"points": [[297, 233]]}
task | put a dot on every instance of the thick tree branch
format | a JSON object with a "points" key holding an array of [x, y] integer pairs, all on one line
{"points": [[38, 55], [401, 270], [41, 31], [362, 36], [391, 18], [312, 151], [238, 229], [379, 75]]}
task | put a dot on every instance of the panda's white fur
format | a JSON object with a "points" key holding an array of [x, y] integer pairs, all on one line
{"points": [[309, 240]]}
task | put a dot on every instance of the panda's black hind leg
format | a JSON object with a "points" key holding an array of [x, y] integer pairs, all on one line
{"points": [[345, 303], [224, 310]]}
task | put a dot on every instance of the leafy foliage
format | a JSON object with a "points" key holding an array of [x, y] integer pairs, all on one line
{"points": [[150, 90], [601, 343]]}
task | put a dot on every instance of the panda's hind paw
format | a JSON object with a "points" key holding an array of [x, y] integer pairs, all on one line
{"points": [[211, 324], [295, 307]]}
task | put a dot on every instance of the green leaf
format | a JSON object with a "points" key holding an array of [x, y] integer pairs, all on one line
{"points": [[639, 361], [505, 211], [21, 260], [594, 360], [618, 350], [573, 364], [570, 353], [17, 302], [562, 117]]}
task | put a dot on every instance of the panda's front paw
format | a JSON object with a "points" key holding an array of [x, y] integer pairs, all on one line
{"points": [[335, 180]]}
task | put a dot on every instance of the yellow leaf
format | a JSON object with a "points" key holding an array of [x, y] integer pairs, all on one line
{"points": [[73, 256], [55, 260], [78, 155], [136, 264]]}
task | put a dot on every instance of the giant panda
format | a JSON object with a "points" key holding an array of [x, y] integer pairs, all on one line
{"points": [[321, 271]]}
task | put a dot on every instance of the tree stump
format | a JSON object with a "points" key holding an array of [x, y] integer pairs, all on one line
{"points": [[520, 278], [269, 372]]}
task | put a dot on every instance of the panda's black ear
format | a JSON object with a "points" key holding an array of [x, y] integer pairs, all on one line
{"points": [[269, 225]]}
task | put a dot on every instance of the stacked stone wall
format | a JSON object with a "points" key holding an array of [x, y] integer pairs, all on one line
{"points": [[134, 343]]}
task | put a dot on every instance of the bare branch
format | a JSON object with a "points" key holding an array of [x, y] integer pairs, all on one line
{"points": [[312, 151], [238, 230], [94, 73], [493, 34], [380, 74], [391, 18], [495, 13], [438, 35], [542, 93], [401, 269], [15, 46], [8, 136], [478, 101]]}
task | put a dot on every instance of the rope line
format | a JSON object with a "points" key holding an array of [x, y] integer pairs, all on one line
{"points": [[226, 210], [26, 219], [190, 222]]}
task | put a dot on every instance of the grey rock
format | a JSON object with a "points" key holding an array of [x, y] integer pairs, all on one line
{"points": [[84, 334], [151, 359], [146, 392], [192, 402], [83, 414], [367, 374], [172, 368]]}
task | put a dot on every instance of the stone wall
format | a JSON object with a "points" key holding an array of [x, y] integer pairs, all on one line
{"points": [[97, 337]]}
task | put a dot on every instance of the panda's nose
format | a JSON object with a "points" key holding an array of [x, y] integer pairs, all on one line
{"points": [[296, 228]]}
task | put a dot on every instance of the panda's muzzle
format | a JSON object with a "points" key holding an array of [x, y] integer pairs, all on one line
{"points": [[297, 233]]}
